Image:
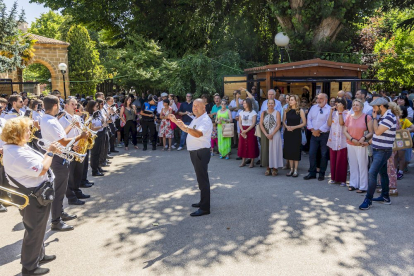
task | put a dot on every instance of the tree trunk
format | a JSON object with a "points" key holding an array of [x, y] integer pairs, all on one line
{"points": [[328, 29]]}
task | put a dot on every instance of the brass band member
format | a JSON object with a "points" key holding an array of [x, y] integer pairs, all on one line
{"points": [[3, 180], [96, 125], [29, 168], [16, 102], [103, 162], [73, 191], [112, 113], [3, 107], [52, 130]]}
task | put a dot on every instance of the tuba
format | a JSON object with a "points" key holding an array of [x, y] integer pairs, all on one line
{"points": [[10, 191]]}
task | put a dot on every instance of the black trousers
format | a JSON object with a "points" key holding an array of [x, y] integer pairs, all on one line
{"points": [[105, 147], [4, 183], [96, 151], [112, 137], [85, 168], [75, 177], [60, 168], [130, 126], [200, 159], [35, 218], [148, 127]]}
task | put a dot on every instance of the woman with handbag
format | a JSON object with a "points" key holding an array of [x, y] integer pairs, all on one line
{"points": [[248, 145], [337, 142], [29, 169], [271, 151], [355, 126], [224, 141]]}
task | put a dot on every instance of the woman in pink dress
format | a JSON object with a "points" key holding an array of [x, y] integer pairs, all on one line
{"points": [[165, 128]]}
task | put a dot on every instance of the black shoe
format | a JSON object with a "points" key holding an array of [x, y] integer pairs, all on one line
{"points": [[61, 226], [258, 162], [105, 164], [2, 209], [115, 151], [90, 183], [109, 157], [86, 185], [195, 205], [66, 217], [321, 178], [36, 271], [309, 176], [47, 259], [82, 196], [145, 147], [76, 202], [102, 170], [238, 158], [199, 213], [98, 173]]}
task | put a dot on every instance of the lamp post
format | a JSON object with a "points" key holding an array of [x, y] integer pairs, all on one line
{"points": [[62, 68], [281, 40]]}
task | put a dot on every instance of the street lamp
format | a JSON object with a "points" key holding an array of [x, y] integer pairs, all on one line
{"points": [[62, 67], [281, 40]]}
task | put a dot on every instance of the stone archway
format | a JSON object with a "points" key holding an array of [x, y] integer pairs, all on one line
{"points": [[49, 52]]}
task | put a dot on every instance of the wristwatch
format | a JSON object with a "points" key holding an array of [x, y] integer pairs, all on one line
{"points": [[49, 153]]}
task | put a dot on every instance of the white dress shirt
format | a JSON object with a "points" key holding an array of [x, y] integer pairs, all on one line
{"points": [[233, 104], [52, 130], [66, 120], [2, 123], [318, 118], [37, 115], [24, 164], [203, 124], [13, 114]]}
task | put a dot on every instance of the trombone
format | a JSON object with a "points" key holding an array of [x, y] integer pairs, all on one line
{"points": [[10, 191]]}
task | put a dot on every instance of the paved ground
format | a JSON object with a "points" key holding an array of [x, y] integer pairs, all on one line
{"points": [[259, 225]]}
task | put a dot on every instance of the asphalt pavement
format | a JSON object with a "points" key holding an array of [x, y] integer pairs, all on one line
{"points": [[137, 223]]}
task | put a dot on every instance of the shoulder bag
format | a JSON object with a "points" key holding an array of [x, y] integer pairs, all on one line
{"points": [[369, 147], [402, 140], [227, 130], [44, 193]]}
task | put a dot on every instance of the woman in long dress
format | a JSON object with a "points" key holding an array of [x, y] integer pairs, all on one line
{"points": [[223, 117], [248, 146], [293, 122], [271, 139]]}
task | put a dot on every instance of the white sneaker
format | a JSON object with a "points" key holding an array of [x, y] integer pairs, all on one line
{"points": [[180, 148], [173, 147]]}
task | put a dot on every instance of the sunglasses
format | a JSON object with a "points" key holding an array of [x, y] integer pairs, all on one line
{"points": [[321, 111]]}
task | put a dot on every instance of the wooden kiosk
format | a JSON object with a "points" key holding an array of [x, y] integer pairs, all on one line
{"points": [[320, 76]]}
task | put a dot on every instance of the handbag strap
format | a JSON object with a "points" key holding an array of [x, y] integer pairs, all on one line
{"points": [[366, 119]]}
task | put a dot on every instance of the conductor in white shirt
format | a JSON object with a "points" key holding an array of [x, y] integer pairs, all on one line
{"points": [[198, 144]]}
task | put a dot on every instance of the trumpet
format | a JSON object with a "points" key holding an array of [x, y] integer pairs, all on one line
{"points": [[63, 152], [10, 191]]}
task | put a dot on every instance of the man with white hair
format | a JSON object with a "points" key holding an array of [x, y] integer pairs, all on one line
{"points": [[271, 94], [160, 104], [318, 124]]}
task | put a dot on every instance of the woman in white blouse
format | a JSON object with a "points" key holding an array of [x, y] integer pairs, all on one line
{"points": [[29, 168], [248, 146]]}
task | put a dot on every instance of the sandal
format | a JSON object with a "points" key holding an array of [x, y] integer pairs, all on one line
{"points": [[393, 192], [267, 172], [251, 165], [290, 173], [274, 172], [351, 188], [295, 174], [361, 192], [169, 149], [242, 164], [136, 147]]}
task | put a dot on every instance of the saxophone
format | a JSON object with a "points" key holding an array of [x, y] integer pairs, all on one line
{"points": [[87, 143]]}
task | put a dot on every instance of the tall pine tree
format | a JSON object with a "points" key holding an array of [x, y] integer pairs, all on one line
{"points": [[84, 63]]}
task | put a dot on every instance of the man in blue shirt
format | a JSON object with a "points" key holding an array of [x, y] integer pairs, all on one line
{"points": [[148, 112], [186, 111]]}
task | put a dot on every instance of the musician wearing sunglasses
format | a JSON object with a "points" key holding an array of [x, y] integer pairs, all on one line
{"points": [[29, 169], [317, 123], [52, 131], [97, 125], [73, 191], [16, 102]]}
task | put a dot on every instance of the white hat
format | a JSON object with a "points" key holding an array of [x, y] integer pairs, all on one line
{"points": [[163, 94]]}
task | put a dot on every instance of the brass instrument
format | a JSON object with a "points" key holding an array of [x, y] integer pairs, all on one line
{"points": [[87, 143], [63, 152], [10, 191]]}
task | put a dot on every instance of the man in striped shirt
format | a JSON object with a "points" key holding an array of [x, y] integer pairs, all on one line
{"points": [[382, 142]]}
